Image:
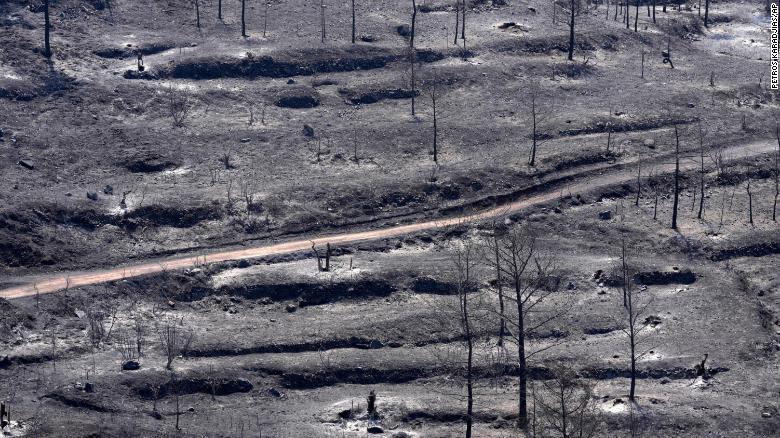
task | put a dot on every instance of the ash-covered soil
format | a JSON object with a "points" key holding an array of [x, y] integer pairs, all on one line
{"points": [[225, 142]]}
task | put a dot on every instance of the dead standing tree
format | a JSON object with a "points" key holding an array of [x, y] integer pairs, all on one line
{"points": [[634, 326], [537, 119], [243, 18], [777, 175], [353, 21], [414, 19], [530, 276], [46, 29], [464, 262], [574, 11], [676, 177], [174, 340], [564, 406], [702, 172]]}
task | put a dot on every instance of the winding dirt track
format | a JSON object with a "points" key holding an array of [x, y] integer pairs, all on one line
{"points": [[66, 280]]}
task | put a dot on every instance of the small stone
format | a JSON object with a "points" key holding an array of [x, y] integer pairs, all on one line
{"points": [[27, 164], [191, 409], [605, 215], [245, 140], [88, 387], [108, 190], [649, 143], [308, 131], [275, 392], [375, 429], [290, 81], [92, 196], [291, 308]]}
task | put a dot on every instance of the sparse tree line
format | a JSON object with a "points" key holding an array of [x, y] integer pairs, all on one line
{"points": [[508, 294]]}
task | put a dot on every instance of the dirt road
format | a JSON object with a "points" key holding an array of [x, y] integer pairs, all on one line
{"points": [[62, 281]]}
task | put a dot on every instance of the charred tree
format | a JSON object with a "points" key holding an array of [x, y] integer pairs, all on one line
{"points": [[353, 21], [46, 29], [414, 18], [243, 18], [676, 178]]}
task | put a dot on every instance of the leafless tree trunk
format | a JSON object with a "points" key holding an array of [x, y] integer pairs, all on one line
{"points": [[412, 61], [435, 126], [197, 13], [750, 201], [463, 23], [219, 10], [414, 18], [265, 23], [464, 263], [701, 173], [46, 29], [706, 12], [322, 19], [353, 21], [499, 287], [654, 1], [636, 16], [777, 175], [529, 273], [572, 14], [634, 313], [638, 180], [566, 406], [676, 177], [243, 18], [457, 21], [534, 134]]}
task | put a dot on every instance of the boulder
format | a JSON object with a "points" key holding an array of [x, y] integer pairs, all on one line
{"points": [[375, 429], [92, 196], [131, 365], [605, 215], [27, 164], [308, 131]]}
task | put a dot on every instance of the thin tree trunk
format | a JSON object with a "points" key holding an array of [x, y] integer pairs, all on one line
{"points": [[532, 158], [676, 177], [412, 56], [197, 13], [777, 176], [469, 365], [636, 16], [463, 22], [638, 182], [654, 1], [706, 12], [353, 21], [265, 17], [500, 287], [750, 202], [571, 31], [435, 127], [219, 10], [457, 21], [414, 18], [701, 174], [47, 26], [243, 18], [522, 417]]}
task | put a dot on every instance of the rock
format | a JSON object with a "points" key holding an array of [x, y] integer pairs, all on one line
{"points": [[368, 38], [191, 409], [403, 30], [308, 131], [531, 10], [402, 434], [605, 215], [27, 164], [245, 140], [108, 190], [291, 308], [290, 81], [275, 392], [92, 195], [375, 429], [88, 387], [171, 303], [131, 365], [156, 415], [571, 286], [375, 344], [649, 143]]}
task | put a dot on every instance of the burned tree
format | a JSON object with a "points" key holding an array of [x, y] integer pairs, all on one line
{"points": [[701, 173], [750, 200], [464, 262], [634, 326], [353, 21], [777, 175], [432, 93], [46, 29], [538, 135], [531, 277], [676, 178], [414, 18], [174, 340], [574, 11], [243, 18], [565, 406], [323, 262], [219, 9], [196, 3]]}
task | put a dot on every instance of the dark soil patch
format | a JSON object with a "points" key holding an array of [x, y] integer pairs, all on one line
{"points": [[754, 250], [374, 96], [324, 345], [148, 163], [124, 52], [74, 398], [307, 294], [666, 277], [298, 98], [194, 385], [620, 125]]}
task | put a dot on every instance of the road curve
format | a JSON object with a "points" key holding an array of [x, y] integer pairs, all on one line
{"points": [[62, 281]]}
